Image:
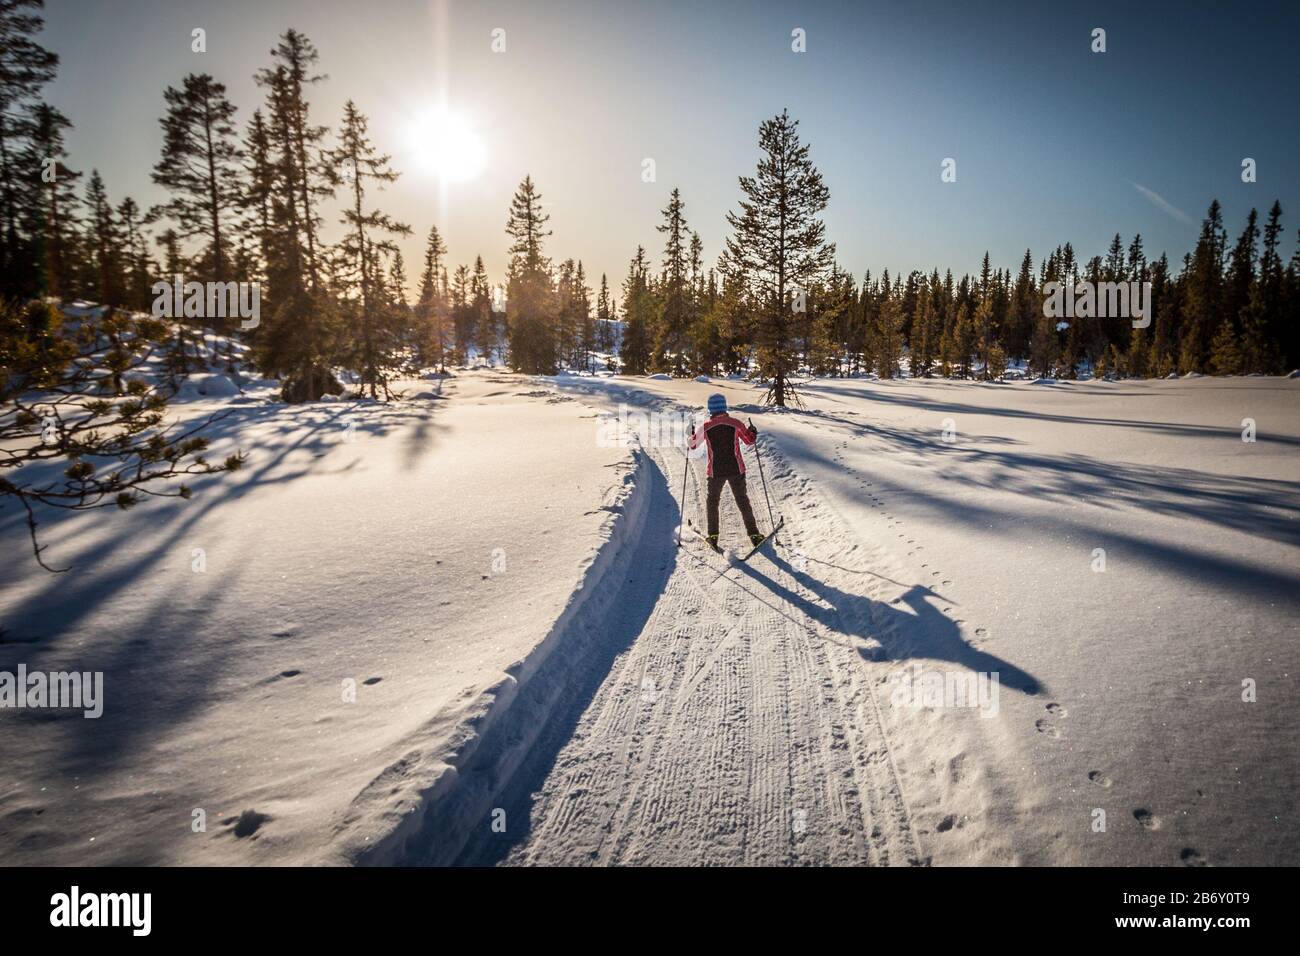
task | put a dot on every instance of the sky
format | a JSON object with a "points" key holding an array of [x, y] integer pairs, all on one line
{"points": [[1052, 141]]}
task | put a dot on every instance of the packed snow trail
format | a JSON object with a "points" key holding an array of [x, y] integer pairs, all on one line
{"points": [[737, 728]]}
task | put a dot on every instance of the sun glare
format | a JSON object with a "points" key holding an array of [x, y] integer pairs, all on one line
{"points": [[442, 143]]}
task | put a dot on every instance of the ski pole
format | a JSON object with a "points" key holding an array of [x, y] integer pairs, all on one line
{"points": [[685, 474], [759, 458]]}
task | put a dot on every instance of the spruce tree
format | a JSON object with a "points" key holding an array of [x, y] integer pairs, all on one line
{"points": [[780, 242], [1203, 301], [199, 167], [138, 266], [430, 308], [485, 332], [638, 308], [530, 298], [303, 180], [674, 321], [103, 242], [374, 348], [25, 66], [49, 203]]}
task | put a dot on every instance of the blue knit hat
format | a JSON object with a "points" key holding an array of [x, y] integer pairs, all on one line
{"points": [[717, 404]]}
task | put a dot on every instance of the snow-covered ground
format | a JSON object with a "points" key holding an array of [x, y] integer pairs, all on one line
{"points": [[960, 527], [1105, 565], [406, 554]]}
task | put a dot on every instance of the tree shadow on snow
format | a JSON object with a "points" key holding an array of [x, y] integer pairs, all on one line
{"points": [[162, 665]]}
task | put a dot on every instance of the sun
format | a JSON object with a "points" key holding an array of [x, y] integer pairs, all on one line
{"points": [[442, 143]]}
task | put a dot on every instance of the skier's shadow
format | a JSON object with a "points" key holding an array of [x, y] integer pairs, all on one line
{"points": [[926, 632]]}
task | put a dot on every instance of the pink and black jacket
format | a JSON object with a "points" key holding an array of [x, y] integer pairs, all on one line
{"points": [[724, 435]]}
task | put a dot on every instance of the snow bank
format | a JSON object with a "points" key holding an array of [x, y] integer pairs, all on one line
{"points": [[424, 807], [206, 385], [358, 548]]}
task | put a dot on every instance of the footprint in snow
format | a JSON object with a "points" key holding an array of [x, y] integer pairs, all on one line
{"points": [[1045, 727], [283, 675], [248, 823], [1146, 819]]}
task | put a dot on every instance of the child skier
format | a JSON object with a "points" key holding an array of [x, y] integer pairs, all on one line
{"points": [[726, 466]]}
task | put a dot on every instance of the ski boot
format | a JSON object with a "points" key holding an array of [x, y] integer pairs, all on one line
{"points": [[756, 539], [712, 539]]}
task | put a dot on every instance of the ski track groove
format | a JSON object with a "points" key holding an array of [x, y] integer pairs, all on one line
{"points": [[732, 731]]}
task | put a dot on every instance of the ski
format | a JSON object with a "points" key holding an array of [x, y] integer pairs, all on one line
{"points": [[691, 524], [770, 535]]}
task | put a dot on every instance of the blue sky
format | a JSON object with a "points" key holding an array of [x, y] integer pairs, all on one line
{"points": [[1051, 140]]}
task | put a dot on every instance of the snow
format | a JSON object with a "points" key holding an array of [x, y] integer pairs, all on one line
{"points": [[1108, 562], [420, 550], [206, 385], [1121, 689]]}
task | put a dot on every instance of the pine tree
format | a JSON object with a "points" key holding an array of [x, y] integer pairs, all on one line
{"points": [[1269, 312], [402, 321], [304, 182], [1225, 351], [780, 242], [889, 337], [484, 324], [49, 204], [1026, 306], [674, 321], [963, 340], [638, 310], [1240, 278], [25, 66], [531, 307], [604, 319], [461, 313], [259, 190], [93, 452], [103, 242], [430, 308], [299, 341], [1202, 308], [985, 337], [199, 167], [137, 265], [374, 348], [581, 305]]}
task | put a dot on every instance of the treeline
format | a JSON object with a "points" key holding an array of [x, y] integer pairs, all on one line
{"points": [[778, 304], [244, 203], [1226, 309]]}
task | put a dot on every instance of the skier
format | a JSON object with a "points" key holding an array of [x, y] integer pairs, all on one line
{"points": [[726, 466]]}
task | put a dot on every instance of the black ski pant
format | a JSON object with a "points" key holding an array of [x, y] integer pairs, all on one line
{"points": [[737, 483]]}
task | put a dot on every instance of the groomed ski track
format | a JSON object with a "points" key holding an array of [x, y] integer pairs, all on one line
{"points": [[717, 713]]}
